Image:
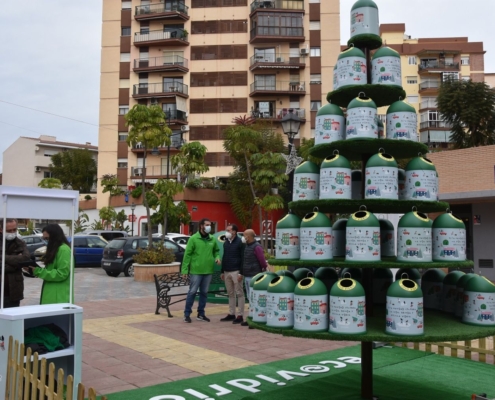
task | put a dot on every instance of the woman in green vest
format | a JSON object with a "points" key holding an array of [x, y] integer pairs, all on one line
{"points": [[57, 271]]}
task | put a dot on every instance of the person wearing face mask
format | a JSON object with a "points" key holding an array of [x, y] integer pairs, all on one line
{"points": [[201, 253], [16, 252], [231, 273]]}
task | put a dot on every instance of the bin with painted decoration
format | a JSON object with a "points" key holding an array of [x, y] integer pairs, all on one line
{"points": [[330, 124], [365, 25], [288, 238], [362, 238], [335, 178], [386, 68], [479, 306], [361, 119], [306, 182], [414, 242], [404, 310], [381, 177], [280, 302], [402, 121], [260, 288], [449, 238], [311, 305], [421, 180], [347, 307], [316, 237], [351, 68]]}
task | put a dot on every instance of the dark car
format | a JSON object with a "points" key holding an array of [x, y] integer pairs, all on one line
{"points": [[33, 242], [107, 235], [117, 256]]}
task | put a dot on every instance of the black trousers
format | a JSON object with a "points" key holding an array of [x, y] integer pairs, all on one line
{"points": [[9, 304]]}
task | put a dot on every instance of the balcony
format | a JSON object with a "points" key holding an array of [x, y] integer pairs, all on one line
{"points": [[437, 66], [277, 5], [175, 117], [279, 113], [429, 87], [434, 124], [154, 171], [162, 64], [169, 37], [169, 89], [169, 10], [271, 61], [276, 34], [264, 88], [430, 103]]}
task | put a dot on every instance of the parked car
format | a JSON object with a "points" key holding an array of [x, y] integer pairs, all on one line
{"points": [[107, 235], [178, 238], [88, 250], [117, 256], [33, 242]]}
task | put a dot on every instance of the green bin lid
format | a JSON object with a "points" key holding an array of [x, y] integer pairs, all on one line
{"points": [[330, 109], [286, 272], [281, 284], [347, 287], [364, 3], [352, 52], [448, 221], [479, 284], [385, 52], [381, 160], [310, 287], [262, 281], [355, 273], [316, 220], [404, 288], [402, 175], [290, 221], [433, 275], [382, 273], [336, 161], [323, 273], [415, 219], [386, 225], [362, 218], [452, 277], [412, 273], [360, 102], [461, 282], [420, 163], [340, 225], [401, 106], [301, 273], [307, 167], [253, 279]]}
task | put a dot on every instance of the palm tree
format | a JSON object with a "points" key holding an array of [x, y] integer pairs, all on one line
{"points": [[147, 128]]}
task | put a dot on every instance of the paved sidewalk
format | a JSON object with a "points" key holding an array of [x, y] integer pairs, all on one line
{"points": [[127, 346]]}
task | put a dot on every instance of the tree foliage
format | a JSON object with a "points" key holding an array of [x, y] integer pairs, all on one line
{"points": [[75, 168], [50, 183], [110, 184], [190, 160], [469, 107]]}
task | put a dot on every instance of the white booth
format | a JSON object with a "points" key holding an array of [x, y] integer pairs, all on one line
{"points": [[46, 204]]}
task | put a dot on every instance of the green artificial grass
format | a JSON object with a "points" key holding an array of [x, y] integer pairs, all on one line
{"points": [[354, 149], [398, 373], [388, 206], [382, 95], [386, 262], [439, 327], [365, 41]]}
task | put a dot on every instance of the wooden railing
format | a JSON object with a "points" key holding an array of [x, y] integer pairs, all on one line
{"points": [[481, 350], [27, 378]]}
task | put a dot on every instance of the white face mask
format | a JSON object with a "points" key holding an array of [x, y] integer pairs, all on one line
{"points": [[10, 236], [208, 229], [228, 235], [243, 239]]}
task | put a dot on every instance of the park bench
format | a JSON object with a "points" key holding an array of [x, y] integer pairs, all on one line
{"points": [[166, 282]]}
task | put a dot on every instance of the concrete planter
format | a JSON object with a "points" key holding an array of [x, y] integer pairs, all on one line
{"points": [[145, 272]]}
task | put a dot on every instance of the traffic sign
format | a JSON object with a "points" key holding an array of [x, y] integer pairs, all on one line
{"points": [[132, 218]]}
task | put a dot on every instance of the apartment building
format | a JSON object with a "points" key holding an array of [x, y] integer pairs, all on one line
{"points": [[26, 161], [426, 62], [205, 62]]}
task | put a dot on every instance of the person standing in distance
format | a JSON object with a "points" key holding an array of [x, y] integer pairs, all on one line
{"points": [[15, 252], [254, 261], [201, 252], [233, 254]]}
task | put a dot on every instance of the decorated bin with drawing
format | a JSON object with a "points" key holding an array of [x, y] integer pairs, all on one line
{"points": [[364, 21], [328, 276], [385, 67], [330, 124], [387, 238], [408, 273], [280, 302], [404, 311], [382, 279], [414, 238], [335, 178], [402, 184], [316, 237], [357, 178], [251, 294], [351, 68], [311, 305], [306, 182], [421, 180], [402, 121], [361, 119], [288, 238], [260, 288], [381, 177], [449, 291], [460, 285], [347, 307], [479, 306], [362, 237], [432, 287], [338, 232], [449, 238]]}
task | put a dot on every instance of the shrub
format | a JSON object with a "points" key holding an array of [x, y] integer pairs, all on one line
{"points": [[136, 192], [194, 184], [87, 197], [155, 255]]}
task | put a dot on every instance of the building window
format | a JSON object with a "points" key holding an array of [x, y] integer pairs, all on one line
{"points": [[465, 60], [412, 99], [466, 77], [123, 136], [123, 110], [126, 5], [126, 31], [453, 76], [122, 164], [315, 79], [315, 52], [47, 174], [315, 105], [412, 80], [314, 26], [412, 60], [125, 57]]}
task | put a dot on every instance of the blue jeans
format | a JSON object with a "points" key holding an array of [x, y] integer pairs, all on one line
{"points": [[201, 282], [247, 283]]}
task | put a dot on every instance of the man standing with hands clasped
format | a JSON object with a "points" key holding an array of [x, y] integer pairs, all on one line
{"points": [[201, 252], [233, 256]]}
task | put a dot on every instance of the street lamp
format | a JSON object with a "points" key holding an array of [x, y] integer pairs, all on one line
{"points": [[133, 207], [290, 125]]}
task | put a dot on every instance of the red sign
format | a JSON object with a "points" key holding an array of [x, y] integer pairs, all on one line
{"points": [[132, 218]]}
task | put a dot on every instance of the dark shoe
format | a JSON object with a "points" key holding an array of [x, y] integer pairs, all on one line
{"points": [[244, 323], [203, 318], [229, 317], [238, 320], [187, 319]]}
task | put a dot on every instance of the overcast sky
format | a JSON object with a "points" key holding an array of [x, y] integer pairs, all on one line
{"points": [[51, 58]]}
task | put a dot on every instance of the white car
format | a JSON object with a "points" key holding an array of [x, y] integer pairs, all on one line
{"points": [[178, 238]]}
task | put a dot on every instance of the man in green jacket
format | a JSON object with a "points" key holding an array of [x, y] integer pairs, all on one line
{"points": [[201, 252]]}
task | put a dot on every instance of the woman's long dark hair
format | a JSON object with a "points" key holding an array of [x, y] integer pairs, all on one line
{"points": [[57, 239]]}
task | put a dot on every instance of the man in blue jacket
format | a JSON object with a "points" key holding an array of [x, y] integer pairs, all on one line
{"points": [[201, 253]]}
